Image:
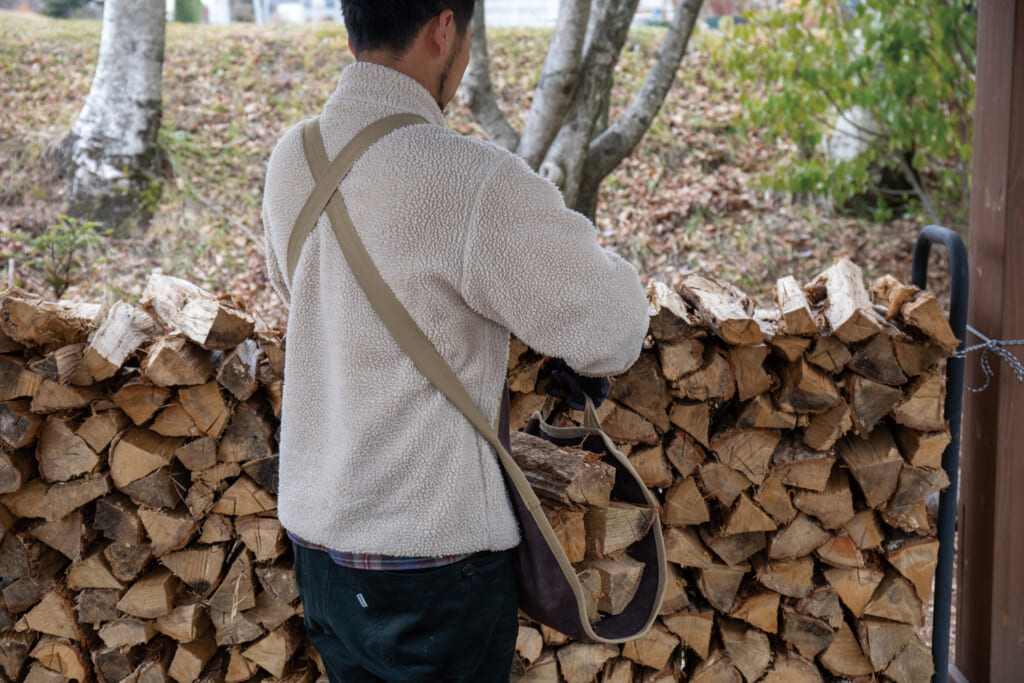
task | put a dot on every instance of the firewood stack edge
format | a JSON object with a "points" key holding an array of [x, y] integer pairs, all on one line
{"points": [[792, 451]]}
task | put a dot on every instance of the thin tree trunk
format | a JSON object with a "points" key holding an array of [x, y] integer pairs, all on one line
{"points": [[478, 91], [563, 164], [612, 145], [111, 155], [557, 83]]}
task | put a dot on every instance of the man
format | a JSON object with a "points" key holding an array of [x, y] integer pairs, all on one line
{"points": [[400, 520]]}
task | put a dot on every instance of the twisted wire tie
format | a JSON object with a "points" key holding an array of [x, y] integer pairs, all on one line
{"points": [[996, 346]]}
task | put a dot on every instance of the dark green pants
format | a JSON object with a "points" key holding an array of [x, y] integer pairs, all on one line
{"points": [[453, 623]]}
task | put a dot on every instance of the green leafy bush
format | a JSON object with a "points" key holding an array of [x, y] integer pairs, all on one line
{"points": [[62, 9], [897, 75], [64, 250]]}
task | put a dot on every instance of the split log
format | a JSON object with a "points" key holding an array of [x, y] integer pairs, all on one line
{"points": [[717, 668], [713, 381], [761, 413], [140, 400], [854, 586], [694, 419], [680, 359], [797, 465], [672, 319], [270, 613], [18, 424], [922, 449], [822, 603], [127, 561], [923, 408], [774, 499], [92, 571], [54, 615], [69, 535], [236, 592], [722, 482], [151, 596], [247, 437], [877, 361], [734, 549], [529, 643], [160, 488], [747, 363], [100, 428], [840, 551], [624, 426], [653, 649], [833, 507], [581, 662], [800, 537], [882, 640], [788, 347], [562, 475], [14, 649], [264, 471], [675, 597], [167, 530], [238, 372], [914, 357], [279, 581], [916, 560], [916, 485], [914, 663], [265, 536], [748, 649], [185, 623], [870, 402], [116, 517], [618, 671], [826, 428], [97, 606], [805, 389], [615, 528], [198, 454], [620, 580], [875, 463], [126, 632], [63, 656], [272, 652], [61, 365], [139, 452], [172, 361], [748, 451], [849, 311], [684, 504], [190, 659], [760, 610], [844, 657], [896, 600], [643, 390], [114, 665], [808, 635], [16, 469], [212, 323], [724, 309], [793, 578], [829, 354], [122, 332], [864, 530], [245, 497], [685, 454], [693, 628], [652, 466], [217, 529], [40, 576], [174, 420], [795, 315], [746, 517], [719, 583], [792, 668], [206, 406], [684, 547], [51, 397], [16, 381]]}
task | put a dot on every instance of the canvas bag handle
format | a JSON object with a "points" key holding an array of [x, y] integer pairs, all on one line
{"points": [[405, 331]]}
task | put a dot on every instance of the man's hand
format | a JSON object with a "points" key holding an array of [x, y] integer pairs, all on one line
{"points": [[558, 379]]}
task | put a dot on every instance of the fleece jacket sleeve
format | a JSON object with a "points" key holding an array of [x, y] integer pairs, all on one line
{"points": [[534, 266]]}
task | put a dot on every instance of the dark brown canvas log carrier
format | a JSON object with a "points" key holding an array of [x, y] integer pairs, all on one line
{"points": [[550, 591]]}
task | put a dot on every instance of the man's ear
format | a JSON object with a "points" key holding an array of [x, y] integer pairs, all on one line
{"points": [[444, 31]]}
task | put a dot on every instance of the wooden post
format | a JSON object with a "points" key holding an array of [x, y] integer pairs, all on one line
{"points": [[990, 610]]}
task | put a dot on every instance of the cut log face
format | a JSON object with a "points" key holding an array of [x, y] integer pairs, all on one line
{"points": [[100, 428], [123, 331], [864, 530], [747, 517], [896, 600], [801, 537], [18, 424], [806, 389], [725, 310], [139, 452], [69, 535], [761, 413], [62, 454], [245, 497], [681, 358], [151, 596], [581, 662], [877, 361], [914, 663], [795, 314], [652, 466], [624, 426], [854, 586], [247, 437], [265, 536], [826, 428], [748, 451], [685, 454], [207, 321], [127, 561], [720, 583], [140, 400], [63, 656], [239, 371], [717, 668], [829, 354], [748, 649], [92, 571], [747, 364], [793, 578], [844, 657], [736, 548], [882, 640], [760, 610], [16, 468], [833, 507], [808, 635], [54, 616], [684, 547], [915, 485], [840, 551], [788, 347], [653, 649], [924, 313], [643, 390], [620, 525], [722, 482], [916, 560], [96, 606], [174, 420], [923, 407], [694, 629], [714, 380], [774, 499], [236, 592], [127, 632], [694, 419], [676, 597], [167, 530], [205, 404], [875, 463], [198, 568], [199, 454], [173, 361], [116, 517], [870, 401], [562, 475], [922, 449], [797, 465], [672, 320], [684, 504]]}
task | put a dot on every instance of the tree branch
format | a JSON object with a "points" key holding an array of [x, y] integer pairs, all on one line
{"points": [[478, 91], [557, 83], [564, 161], [911, 177], [611, 146]]}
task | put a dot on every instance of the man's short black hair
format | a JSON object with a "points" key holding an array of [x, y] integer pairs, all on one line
{"points": [[392, 24]]}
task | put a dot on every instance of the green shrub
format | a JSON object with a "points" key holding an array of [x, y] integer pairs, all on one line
{"points": [[909, 64]]}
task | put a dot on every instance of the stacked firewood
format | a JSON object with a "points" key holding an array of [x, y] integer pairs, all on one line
{"points": [[138, 469], [793, 450]]}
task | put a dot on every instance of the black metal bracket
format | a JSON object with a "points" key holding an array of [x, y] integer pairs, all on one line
{"points": [[959, 288]]}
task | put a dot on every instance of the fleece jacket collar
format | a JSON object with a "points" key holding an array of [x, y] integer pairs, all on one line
{"points": [[384, 85]]}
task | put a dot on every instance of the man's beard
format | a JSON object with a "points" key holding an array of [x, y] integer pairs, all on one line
{"points": [[446, 72]]}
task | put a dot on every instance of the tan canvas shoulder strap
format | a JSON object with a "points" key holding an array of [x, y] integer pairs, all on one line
{"points": [[329, 175]]}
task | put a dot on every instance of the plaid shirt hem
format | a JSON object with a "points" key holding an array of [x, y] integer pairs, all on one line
{"points": [[379, 562]]}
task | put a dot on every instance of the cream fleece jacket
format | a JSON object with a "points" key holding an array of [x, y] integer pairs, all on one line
{"points": [[475, 245]]}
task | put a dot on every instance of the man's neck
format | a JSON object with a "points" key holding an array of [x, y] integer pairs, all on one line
{"points": [[407, 64]]}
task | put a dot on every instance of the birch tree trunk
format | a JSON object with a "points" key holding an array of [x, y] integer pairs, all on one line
{"points": [[567, 136], [111, 157]]}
